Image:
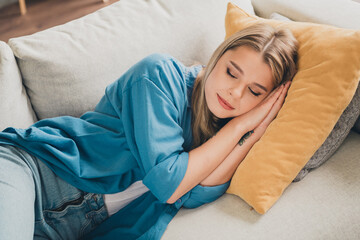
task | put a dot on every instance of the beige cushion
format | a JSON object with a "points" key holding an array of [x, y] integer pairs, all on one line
{"points": [[15, 108], [66, 68], [339, 13]]}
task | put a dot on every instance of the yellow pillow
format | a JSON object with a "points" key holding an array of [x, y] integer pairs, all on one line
{"points": [[328, 75]]}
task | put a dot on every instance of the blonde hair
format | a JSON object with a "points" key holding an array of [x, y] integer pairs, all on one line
{"points": [[279, 50]]}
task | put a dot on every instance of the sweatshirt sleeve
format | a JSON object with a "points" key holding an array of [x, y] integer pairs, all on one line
{"points": [[200, 195], [155, 137], [152, 107]]}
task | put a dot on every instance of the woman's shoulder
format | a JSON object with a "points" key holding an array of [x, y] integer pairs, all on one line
{"points": [[164, 67], [160, 62], [150, 68], [155, 58], [164, 70]]}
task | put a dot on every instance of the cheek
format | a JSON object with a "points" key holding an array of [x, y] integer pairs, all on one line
{"points": [[214, 85], [259, 99], [256, 101], [248, 104], [208, 90], [210, 85]]}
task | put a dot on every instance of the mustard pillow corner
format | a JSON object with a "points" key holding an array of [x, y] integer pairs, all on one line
{"points": [[326, 81]]}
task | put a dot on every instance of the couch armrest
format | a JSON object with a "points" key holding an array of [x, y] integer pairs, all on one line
{"points": [[340, 13], [15, 106]]}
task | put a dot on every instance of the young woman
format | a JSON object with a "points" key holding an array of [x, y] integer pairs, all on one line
{"points": [[163, 136]]}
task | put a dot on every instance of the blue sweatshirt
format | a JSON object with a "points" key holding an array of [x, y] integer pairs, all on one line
{"points": [[140, 130]]}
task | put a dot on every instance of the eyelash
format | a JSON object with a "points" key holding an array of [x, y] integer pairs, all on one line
{"points": [[228, 72], [254, 93]]}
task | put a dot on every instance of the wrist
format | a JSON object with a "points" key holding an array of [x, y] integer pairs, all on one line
{"points": [[245, 137], [241, 126]]}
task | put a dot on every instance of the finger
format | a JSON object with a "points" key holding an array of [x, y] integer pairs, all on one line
{"points": [[287, 85], [275, 91], [276, 95], [281, 97], [271, 115], [276, 107], [271, 98], [268, 102], [279, 102], [286, 88]]}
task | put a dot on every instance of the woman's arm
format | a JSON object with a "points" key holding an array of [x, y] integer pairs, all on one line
{"points": [[207, 157], [224, 172]]}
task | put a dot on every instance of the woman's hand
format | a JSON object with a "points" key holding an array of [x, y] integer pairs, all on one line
{"points": [[260, 129], [227, 168], [255, 116]]}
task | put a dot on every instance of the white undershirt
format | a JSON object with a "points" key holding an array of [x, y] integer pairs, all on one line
{"points": [[115, 202]]}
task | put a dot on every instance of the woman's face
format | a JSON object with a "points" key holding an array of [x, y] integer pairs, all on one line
{"points": [[241, 78]]}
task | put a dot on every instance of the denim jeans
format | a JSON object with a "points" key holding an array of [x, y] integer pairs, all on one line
{"points": [[36, 204]]}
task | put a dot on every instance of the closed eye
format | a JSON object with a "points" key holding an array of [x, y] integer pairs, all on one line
{"points": [[229, 73], [254, 93]]}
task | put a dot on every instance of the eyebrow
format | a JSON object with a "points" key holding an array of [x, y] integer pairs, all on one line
{"points": [[242, 72], [237, 67], [261, 86]]}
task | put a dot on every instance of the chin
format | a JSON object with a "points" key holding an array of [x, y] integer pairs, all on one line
{"points": [[218, 111], [219, 114]]}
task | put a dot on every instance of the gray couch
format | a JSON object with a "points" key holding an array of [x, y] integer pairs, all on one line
{"points": [[64, 71]]}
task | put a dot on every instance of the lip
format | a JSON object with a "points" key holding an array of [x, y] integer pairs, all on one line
{"points": [[224, 104]]}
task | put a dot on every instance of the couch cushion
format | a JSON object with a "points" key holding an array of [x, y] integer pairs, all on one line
{"points": [[328, 76], [66, 68], [357, 125], [336, 137], [339, 13], [15, 108], [324, 205]]}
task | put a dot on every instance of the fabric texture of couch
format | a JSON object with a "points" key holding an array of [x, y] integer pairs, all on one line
{"points": [[43, 75]]}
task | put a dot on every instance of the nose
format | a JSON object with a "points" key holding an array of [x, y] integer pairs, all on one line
{"points": [[238, 90]]}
